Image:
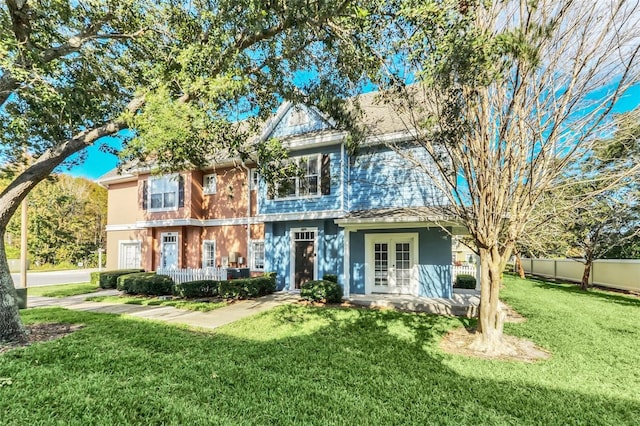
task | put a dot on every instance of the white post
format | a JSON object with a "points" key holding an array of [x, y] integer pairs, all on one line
{"points": [[100, 250], [23, 244]]}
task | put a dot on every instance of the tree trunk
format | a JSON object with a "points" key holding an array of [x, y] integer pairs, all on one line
{"points": [[519, 267], [491, 317], [11, 328], [584, 284]]}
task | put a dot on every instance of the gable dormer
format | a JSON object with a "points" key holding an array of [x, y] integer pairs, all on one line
{"points": [[296, 119]]}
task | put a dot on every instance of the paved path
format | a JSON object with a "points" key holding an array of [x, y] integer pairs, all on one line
{"points": [[211, 319]]}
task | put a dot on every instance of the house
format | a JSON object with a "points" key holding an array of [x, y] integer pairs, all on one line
{"points": [[367, 218]]}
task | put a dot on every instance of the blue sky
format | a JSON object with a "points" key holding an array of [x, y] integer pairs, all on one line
{"points": [[98, 162]]}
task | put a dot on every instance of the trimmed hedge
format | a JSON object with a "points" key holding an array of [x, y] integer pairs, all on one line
{"points": [[247, 287], [194, 289], [321, 291], [146, 283], [242, 288], [330, 277], [109, 279], [465, 281]]}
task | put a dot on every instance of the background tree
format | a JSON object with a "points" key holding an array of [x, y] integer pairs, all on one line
{"points": [[182, 72], [596, 214], [508, 95], [66, 222]]}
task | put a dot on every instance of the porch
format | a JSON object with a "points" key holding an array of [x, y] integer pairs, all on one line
{"points": [[463, 303]]}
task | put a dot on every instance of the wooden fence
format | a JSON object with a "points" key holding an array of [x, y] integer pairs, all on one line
{"points": [[621, 274], [183, 275]]}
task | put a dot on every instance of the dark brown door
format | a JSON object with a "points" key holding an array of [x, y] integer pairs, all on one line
{"points": [[305, 258]]}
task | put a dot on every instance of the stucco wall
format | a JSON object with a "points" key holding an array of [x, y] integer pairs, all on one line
{"points": [[123, 206]]}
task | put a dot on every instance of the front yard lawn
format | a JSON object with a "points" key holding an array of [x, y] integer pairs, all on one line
{"points": [[62, 290], [308, 365], [190, 305]]}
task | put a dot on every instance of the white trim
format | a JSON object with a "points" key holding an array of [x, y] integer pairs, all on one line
{"points": [[251, 259], [292, 254], [393, 137], [281, 217], [116, 179], [229, 222], [369, 239], [168, 177], [205, 242], [124, 227], [399, 222], [346, 288], [129, 242], [168, 223], [315, 141]]}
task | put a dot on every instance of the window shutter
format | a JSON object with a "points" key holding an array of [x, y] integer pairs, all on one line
{"points": [[145, 195], [180, 191], [325, 175]]}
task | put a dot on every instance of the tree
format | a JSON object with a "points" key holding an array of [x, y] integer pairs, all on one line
{"points": [[66, 221], [597, 213], [508, 95], [182, 72]]}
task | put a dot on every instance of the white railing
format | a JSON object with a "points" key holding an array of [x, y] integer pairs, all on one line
{"points": [[184, 275], [463, 269]]}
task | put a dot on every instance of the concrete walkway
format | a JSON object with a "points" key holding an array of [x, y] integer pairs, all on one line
{"points": [[211, 319], [463, 303]]}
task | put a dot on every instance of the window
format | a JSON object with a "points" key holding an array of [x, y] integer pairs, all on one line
{"points": [[254, 178], [208, 254], [307, 184], [163, 192], [209, 184], [257, 255]]}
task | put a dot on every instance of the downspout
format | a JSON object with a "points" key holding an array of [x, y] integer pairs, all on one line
{"points": [[248, 214]]}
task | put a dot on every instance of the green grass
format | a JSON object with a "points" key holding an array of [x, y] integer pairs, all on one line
{"points": [[307, 365], [154, 301], [62, 290]]}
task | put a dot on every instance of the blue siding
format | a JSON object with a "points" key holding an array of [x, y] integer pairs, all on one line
{"points": [[308, 204], [434, 260], [381, 178], [329, 257]]}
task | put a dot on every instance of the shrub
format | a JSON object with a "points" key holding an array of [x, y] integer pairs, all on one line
{"points": [[465, 281], [247, 287], [109, 279], [321, 291], [201, 288], [330, 277], [147, 283]]}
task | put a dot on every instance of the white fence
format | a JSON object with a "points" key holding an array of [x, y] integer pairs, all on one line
{"points": [[614, 273], [463, 269], [183, 275]]}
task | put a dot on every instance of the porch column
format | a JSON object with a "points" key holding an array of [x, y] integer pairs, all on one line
{"points": [[346, 267]]}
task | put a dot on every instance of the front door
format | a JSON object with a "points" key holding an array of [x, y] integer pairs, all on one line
{"points": [[304, 257], [169, 254], [391, 264]]}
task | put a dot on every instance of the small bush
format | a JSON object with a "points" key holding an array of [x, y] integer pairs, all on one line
{"points": [[247, 287], [465, 281], [330, 277], [194, 289], [146, 283], [109, 279], [321, 291]]}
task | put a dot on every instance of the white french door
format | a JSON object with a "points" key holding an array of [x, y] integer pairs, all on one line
{"points": [[391, 263]]}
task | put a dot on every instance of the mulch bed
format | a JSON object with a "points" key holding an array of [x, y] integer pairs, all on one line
{"points": [[41, 333]]}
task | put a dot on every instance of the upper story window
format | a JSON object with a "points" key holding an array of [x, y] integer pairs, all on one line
{"points": [[254, 178], [163, 192], [209, 184], [307, 183]]}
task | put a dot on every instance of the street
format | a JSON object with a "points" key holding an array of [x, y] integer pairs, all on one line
{"points": [[36, 279]]}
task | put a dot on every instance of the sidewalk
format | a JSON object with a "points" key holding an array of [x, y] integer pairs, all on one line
{"points": [[211, 319]]}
